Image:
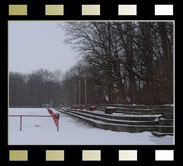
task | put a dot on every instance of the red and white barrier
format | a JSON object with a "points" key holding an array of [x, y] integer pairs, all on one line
{"points": [[55, 118], [52, 114]]}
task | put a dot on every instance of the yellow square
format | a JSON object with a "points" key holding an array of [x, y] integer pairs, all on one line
{"points": [[91, 155], [127, 155], [54, 10], [18, 155], [127, 10], [17, 10], [54, 155], [90, 10]]}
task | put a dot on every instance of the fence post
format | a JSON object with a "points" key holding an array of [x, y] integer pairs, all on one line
{"points": [[57, 125], [57, 120], [20, 122]]}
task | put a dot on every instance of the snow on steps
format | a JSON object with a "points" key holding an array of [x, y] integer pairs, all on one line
{"points": [[120, 125], [149, 118], [116, 121], [160, 134], [125, 116], [165, 110]]}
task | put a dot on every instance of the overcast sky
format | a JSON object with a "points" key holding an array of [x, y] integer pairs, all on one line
{"points": [[38, 44]]}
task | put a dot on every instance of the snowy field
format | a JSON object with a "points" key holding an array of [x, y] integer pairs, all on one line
{"points": [[43, 131]]}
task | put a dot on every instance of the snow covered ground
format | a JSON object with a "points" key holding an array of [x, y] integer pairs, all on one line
{"points": [[42, 131]]}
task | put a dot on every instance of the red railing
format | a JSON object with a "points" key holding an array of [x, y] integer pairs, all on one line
{"points": [[55, 118], [53, 115]]}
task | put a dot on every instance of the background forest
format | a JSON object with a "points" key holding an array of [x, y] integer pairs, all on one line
{"points": [[121, 63]]}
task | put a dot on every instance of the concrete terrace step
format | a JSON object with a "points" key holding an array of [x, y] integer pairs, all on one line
{"points": [[147, 111], [116, 121], [139, 107], [125, 116], [160, 134], [123, 127], [146, 119], [150, 124]]}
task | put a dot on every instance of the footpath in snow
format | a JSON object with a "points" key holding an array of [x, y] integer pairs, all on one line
{"points": [[42, 131]]}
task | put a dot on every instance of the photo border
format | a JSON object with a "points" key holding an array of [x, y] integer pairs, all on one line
{"points": [[99, 21], [109, 153]]}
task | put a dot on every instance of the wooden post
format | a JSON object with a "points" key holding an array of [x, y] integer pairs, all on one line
{"points": [[57, 117], [57, 125], [85, 93], [20, 122], [79, 92]]}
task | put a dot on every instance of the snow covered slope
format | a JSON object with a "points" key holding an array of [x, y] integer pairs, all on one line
{"points": [[42, 131]]}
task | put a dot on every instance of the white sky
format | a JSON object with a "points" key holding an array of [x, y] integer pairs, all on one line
{"points": [[38, 44]]}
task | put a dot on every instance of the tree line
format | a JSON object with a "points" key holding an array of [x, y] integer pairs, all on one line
{"points": [[34, 89], [121, 62]]}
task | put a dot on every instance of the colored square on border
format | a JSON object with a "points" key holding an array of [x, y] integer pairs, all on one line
{"points": [[18, 155], [164, 155], [93, 10], [127, 155], [54, 155], [163, 10], [127, 10], [17, 10], [91, 155], [54, 10]]}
